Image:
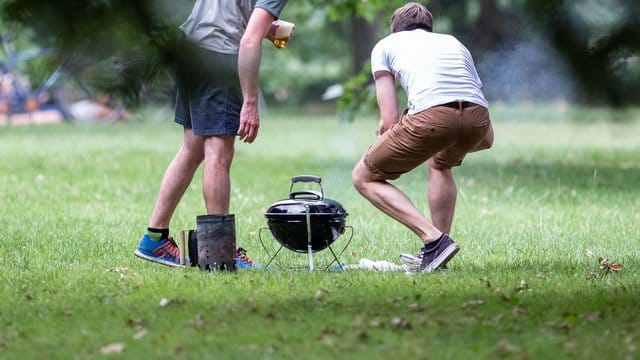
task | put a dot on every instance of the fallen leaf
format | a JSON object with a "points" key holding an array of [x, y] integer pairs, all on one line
{"points": [[115, 348], [375, 323], [321, 293], [140, 334], [200, 321], [594, 316], [164, 302], [400, 323], [470, 303], [136, 323], [328, 331], [486, 281], [522, 286], [615, 267], [328, 336], [608, 266], [504, 347]]}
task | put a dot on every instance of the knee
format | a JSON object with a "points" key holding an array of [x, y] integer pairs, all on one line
{"points": [[192, 154], [358, 177], [219, 152]]}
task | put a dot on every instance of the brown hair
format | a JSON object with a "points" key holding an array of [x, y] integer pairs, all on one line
{"points": [[410, 17]]}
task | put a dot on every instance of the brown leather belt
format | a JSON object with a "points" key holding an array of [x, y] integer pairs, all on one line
{"points": [[458, 104]]}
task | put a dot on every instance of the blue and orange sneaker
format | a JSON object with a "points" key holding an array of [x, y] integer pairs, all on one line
{"points": [[164, 251], [243, 261]]}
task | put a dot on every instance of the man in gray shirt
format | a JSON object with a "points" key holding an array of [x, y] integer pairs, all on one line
{"points": [[216, 100]]}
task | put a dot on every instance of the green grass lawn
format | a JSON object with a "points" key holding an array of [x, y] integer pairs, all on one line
{"points": [[559, 189]]}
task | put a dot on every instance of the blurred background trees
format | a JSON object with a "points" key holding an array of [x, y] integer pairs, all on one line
{"points": [[582, 51]]}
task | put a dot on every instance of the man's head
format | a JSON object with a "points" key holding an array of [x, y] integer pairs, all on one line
{"points": [[410, 17]]}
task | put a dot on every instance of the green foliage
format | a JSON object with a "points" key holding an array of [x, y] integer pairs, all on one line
{"points": [[359, 96], [597, 41], [339, 9], [302, 71], [116, 46], [130, 44], [534, 213]]}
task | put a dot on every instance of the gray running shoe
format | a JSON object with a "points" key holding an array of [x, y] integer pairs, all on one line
{"points": [[437, 255]]}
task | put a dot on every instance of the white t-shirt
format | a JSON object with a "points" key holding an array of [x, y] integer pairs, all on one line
{"points": [[432, 68]]}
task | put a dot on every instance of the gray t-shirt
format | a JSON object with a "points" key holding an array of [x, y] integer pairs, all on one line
{"points": [[218, 25]]}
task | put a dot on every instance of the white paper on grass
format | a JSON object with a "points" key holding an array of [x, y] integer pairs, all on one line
{"points": [[377, 265]]}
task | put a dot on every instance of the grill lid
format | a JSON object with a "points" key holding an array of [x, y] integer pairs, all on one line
{"points": [[298, 206], [299, 202]]}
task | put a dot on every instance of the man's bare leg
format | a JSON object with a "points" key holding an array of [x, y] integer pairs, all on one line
{"points": [[176, 179], [393, 202], [442, 196], [216, 182]]}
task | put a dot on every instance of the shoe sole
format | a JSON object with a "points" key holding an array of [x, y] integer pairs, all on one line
{"points": [[244, 266], [154, 259], [442, 259]]}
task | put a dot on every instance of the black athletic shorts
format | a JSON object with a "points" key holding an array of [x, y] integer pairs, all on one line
{"points": [[208, 94]]}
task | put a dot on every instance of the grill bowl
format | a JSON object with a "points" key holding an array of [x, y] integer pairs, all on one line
{"points": [[287, 221]]}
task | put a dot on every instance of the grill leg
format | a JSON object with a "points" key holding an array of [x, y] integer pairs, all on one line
{"points": [[336, 258], [273, 257], [309, 243]]}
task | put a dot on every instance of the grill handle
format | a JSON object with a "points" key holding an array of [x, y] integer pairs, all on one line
{"points": [[306, 194], [306, 179]]}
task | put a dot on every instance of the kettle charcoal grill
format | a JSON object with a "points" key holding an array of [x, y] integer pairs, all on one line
{"points": [[306, 222]]}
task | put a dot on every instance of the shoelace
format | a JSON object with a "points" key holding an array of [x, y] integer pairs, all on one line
{"points": [[173, 250], [242, 255]]}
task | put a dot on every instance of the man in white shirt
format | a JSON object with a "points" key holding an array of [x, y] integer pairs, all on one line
{"points": [[446, 118]]}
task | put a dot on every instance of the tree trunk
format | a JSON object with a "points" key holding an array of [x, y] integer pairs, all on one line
{"points": [[363, 38]]}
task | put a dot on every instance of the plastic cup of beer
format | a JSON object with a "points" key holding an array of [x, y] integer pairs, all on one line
{"points": [[283, 33]]}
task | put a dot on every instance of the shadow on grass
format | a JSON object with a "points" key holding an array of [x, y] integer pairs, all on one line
{"points": [[396, 313]]}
